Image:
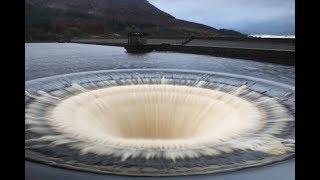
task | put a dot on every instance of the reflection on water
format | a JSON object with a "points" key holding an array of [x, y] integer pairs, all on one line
{"points": [[47, 59]]}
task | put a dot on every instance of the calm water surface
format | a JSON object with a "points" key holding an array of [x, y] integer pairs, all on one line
{"points": [[48, 59]]}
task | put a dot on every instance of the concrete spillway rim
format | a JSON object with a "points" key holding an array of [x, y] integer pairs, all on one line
{"points": [[52, 162], [283, 85]]}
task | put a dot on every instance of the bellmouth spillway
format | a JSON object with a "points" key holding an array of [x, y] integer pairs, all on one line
{"points": [[156, 122]]}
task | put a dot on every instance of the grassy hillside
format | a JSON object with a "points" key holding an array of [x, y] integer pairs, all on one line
{"points": [[60, 19]]}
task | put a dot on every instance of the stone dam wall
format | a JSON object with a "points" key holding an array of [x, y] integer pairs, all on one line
{"points": [[278, 51]]}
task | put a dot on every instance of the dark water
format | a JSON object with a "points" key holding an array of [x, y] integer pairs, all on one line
{"points": [[59, 58], [48, 59]]}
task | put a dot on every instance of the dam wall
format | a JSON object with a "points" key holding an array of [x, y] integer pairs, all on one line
{"points": [[278, 51]]}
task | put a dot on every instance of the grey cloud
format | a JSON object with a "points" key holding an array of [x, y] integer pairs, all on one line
{"points": [[248, 16]]}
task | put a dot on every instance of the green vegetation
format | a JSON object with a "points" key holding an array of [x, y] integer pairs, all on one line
{"points": [[43, 23]]}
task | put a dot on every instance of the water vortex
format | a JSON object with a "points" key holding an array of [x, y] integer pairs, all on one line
{"points": [[158, 122]]}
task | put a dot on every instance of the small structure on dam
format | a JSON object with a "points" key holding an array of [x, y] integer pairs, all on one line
{"points": [[137, 43], [137, 38]]}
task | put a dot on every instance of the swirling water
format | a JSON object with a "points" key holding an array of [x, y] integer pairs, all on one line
{"points": [[47, 59]]}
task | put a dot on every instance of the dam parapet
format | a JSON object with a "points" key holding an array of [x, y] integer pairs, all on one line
{"points": [[272, 50]]}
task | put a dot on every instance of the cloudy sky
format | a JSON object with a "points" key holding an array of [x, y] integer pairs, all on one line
{"points": [[273, 17]]}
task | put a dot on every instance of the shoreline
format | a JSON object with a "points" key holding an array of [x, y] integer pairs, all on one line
{"points": [[269, 50], [277, 51]]}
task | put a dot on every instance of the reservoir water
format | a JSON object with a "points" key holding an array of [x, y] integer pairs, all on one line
{"points": [[48, 59]]}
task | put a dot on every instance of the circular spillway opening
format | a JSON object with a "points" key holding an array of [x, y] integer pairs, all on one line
{"points": [[156, 112], [158, 123]]}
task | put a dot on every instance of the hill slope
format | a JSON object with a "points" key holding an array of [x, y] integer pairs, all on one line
{"points": [[52, 19]]}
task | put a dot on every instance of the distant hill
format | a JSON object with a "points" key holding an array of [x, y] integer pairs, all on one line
{"points": [[56, 19]]}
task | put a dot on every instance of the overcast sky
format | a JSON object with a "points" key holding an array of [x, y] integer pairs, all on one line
{"points": [[274, 17]]}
